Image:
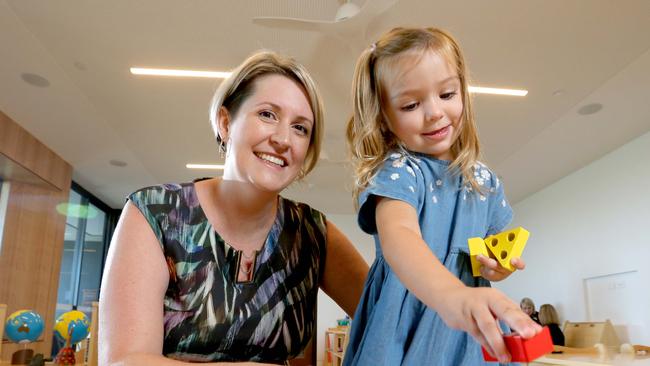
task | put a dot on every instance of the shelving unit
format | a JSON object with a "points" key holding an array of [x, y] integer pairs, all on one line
{"points": [[336, 341]]}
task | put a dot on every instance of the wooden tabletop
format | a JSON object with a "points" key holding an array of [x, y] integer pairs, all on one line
{"points": [[618, 359]]}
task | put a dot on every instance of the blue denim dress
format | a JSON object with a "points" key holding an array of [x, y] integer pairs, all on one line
{"points": [[391, 326]]}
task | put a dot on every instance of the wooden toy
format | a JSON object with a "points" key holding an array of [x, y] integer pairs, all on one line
{"points": [[525, 350], [476, 246], [586, 334], [504, 246]]}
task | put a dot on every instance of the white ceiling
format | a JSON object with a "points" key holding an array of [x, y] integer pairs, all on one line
{"points": [[567, 53]]}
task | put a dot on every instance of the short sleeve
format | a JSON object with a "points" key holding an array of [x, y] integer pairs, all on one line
{"points": [[144, 200], [399, 178], [500, 212]]}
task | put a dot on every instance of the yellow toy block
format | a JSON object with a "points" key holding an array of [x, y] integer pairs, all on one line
{"points": [[504, 246], [507, 245], [476, 247]]}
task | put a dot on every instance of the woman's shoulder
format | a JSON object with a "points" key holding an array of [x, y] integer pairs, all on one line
{"points": [[299, 206], [164, 193], [303, 212]]}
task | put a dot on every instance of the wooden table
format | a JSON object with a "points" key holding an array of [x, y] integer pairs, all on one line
{"points": [[617, 359]]}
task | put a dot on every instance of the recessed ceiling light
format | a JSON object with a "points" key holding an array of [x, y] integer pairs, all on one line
{"points": [[204, 166], [590, 109], [79, 66], [35, 80], [498, 91], [182, 73], [118, 163]]}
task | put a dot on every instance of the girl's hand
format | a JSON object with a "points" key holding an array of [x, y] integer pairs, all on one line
{"points": [[492, 270], [474, 310]]}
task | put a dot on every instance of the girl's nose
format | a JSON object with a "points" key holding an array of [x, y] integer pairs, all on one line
{"points": [[433, 111]]}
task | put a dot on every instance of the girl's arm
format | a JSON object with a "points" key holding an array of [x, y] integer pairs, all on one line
{"points": [[345, 270], [131, 298], [469, 309]]}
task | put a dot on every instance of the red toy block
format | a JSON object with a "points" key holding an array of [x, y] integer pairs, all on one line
{"points": [[525, 350]]}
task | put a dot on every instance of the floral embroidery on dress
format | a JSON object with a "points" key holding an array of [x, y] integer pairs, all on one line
{"points": [[434, 199], [410, 170], [439, 182], [412, 189], [394, 176]]}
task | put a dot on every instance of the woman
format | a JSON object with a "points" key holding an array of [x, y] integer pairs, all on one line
{"points": [[528, 306], [548, 317], [240, 266]]}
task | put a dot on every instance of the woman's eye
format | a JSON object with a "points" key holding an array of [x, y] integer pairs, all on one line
{"points": [[447, 96], [410, 107], [267, 114], [302, 129]]}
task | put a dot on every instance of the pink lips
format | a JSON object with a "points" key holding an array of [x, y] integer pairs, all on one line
{"points": [[437, 134]]}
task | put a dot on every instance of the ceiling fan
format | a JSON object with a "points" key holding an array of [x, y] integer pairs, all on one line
{"points": [[350, 23]]}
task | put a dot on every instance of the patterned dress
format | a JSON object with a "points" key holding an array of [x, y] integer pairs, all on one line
{"points": [[210, 317], [391, 326]]}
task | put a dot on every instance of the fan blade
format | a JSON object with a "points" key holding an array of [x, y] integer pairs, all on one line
{"points": [[376, 7], [372, 8]]}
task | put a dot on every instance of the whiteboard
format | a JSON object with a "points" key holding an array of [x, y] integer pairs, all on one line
{"points": [[620, 298]]}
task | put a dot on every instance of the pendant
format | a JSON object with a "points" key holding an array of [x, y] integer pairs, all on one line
{"points": [[245, 270]]}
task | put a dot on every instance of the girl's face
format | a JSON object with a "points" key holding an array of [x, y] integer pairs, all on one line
{"points": [[423, 103], [268, 138]]}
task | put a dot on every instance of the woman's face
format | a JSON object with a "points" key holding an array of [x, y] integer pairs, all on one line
{"points": [[268, 138], [528, 309]]}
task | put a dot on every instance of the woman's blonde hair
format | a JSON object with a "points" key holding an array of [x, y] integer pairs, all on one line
{"points": [[548, 315], [234, 90], [527, 301], [368, 135]]}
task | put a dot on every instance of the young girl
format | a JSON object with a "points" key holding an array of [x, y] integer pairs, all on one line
{"points": [[422, 193]]}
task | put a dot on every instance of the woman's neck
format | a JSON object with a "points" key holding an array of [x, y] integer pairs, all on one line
{"points": [[239, 212], [244, 201]]}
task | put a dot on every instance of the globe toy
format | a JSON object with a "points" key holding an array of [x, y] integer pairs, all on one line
{"points": [[24, 326], [73, 326]]}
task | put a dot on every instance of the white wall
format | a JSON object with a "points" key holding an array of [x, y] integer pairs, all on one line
{"points": [[328, 311], [594, 223]]}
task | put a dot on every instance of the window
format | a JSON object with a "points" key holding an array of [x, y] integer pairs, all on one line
{"points": [[4, 201], [89, 227]]}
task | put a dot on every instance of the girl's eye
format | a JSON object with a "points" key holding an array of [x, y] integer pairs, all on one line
{"points": [[447, 96], [304, 131], [267, 115], [410, 107]]}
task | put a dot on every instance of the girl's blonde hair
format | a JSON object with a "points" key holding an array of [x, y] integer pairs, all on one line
{"points": [[234, 90], [368, 135], [548, 315]]}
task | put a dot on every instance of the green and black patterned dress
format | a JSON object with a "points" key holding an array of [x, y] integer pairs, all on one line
{"points": [[211, 317]]}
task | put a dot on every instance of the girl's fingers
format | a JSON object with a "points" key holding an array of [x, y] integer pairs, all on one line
{"points": [[516, 319], [492, 335], [518, 263], [487, 261]]}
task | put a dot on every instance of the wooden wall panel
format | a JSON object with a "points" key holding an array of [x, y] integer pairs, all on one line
{"points": [[33, 231], [23, 148]]}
